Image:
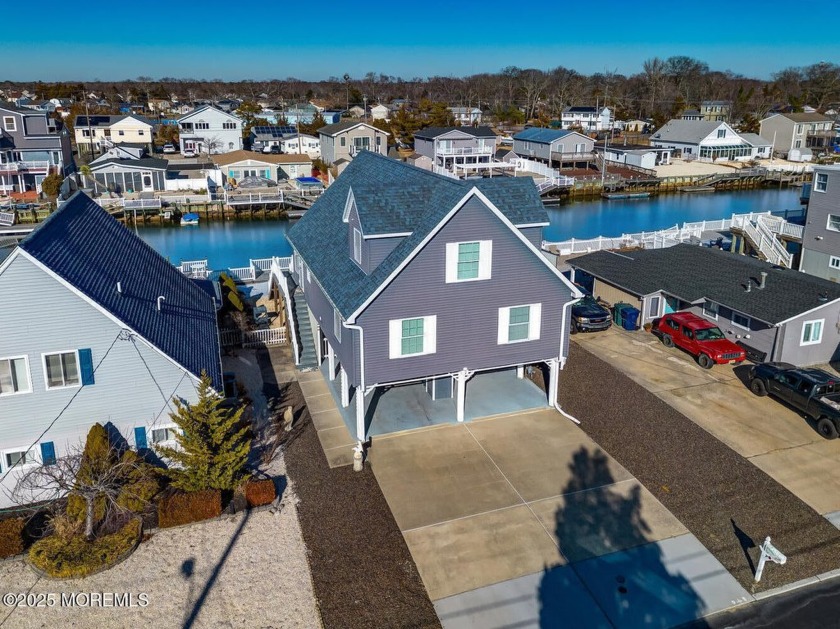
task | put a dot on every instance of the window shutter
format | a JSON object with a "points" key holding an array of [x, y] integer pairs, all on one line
{"points": [[534, 320], [485, 259], [504, 321], [140, 437], [48, 453], [430, 334], [86, 366], [451, 262], [395, 338]]}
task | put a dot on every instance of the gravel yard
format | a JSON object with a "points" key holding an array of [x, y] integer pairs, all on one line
{"points": [[247, 570], [726, 502]]}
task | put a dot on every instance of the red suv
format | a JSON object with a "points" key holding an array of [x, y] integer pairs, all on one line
{"points": [[700, 338]]}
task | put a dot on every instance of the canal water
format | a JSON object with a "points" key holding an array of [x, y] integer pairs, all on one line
{"points": [[232, 244]]}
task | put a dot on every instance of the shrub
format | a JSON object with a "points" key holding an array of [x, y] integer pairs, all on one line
{"points": [[259, 492], [141, 483], [185, 507], [76, 557], [11, 536]]}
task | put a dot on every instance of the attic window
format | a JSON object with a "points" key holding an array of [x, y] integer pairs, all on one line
{"points": [[9, 123]]}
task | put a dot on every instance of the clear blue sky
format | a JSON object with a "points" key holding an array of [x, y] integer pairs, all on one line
{"points": [[209, 39]]}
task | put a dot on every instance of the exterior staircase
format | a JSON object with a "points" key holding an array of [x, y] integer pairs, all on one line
{"points": [[303, 330]]}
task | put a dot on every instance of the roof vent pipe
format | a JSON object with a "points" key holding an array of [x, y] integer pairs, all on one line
{"points": [[119, 287], [749, 288], [763, 279], [160, 301]]}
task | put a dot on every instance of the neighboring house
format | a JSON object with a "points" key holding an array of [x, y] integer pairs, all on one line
{"points": [[356, 111], [98, 132], [553, 145], [106, 330], [345, 140], [706, 141], [691, 114], [239, 164], [31, 147], [304, 143], [587, 118], [466, 115], [457, 149], [380, 112], [797, 136], [420, 161], [129, 174], [776, 314], [763, 148], [821, 238], [300, 114], [640, 155], [428, 280], [210, 130], [262, 137], [714, 110]]}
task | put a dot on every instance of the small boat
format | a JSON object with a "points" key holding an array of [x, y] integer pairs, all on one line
{"points": [[697, 189], [625, 195], [189, 219]]}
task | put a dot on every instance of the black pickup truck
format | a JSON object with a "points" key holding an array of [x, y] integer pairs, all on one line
{"points": [[589, 316], [812, 391]]}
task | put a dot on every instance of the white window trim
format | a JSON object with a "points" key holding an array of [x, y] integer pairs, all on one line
{"points": [[802, 341], [357, 246], [31, 453], [653, 315], [485, 261], [816, 182], [150, 434], [534, 324], [395, 337], [828, 223], [834, 262], [738, 325], [28, 375], [717, 310], [6, 123], [46, 376], [337, 326]]}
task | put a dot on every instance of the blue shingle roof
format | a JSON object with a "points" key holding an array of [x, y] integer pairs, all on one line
{"points": [[92, 251], [542, 136], [392, 197]]}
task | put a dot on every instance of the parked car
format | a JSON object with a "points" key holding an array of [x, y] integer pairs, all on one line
{"points": [[275, 149], [813, 391], [169, 148], [700, 338], [188, 153], [589, 316]]}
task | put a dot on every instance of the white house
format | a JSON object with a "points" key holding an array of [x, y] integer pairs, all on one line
{"points": [[586, 118], [210, 130], [380, 112], [466, 115], [105, 331], [98, 132], [304, 143], [708, 141]]}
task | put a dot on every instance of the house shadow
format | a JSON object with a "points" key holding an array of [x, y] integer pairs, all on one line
{"points": [[615, 576]]}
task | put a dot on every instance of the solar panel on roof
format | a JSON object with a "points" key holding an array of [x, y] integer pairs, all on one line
{"points": [[275, 132]]}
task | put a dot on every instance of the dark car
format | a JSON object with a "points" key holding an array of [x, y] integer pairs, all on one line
{"points": [[699, 337], [275, 149], [589, 316], [814, 392]]}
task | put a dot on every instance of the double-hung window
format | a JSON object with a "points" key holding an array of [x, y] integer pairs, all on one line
{"points": [[9, 123], [412, 337], [519, 323], [812, 332], [62, 370], [14, 376], [821, 183], [469, 261], [833, 223]]}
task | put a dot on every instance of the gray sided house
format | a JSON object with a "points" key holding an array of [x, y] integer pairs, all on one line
{"points": [[129, 175], [412, 277], [776, 314], [553, 145], [97, 327], [450, 146], [346, 140], [821, 239]]}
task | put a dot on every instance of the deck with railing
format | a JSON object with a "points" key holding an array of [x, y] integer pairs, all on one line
{"points": [[256, 266]]}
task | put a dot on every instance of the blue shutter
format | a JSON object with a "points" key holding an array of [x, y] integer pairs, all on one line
{"points": [[140, 437], [86, 366], [48, 453]]}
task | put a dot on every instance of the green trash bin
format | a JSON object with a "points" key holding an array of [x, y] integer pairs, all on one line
{"points": [[618, 309]]}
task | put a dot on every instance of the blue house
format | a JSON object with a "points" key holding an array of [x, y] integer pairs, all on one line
{"points": [[408, 278], [97, 327]]}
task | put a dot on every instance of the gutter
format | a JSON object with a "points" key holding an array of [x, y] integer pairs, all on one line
{"points": [[562, 359]]}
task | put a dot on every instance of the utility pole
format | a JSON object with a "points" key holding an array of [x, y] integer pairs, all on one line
{"points": [[90, 132]]}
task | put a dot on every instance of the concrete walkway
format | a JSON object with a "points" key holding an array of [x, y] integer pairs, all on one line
{"points": [[332, 432]]}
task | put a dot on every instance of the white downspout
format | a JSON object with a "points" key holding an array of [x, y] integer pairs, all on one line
{"points": [[359, 449], [562, 360]]}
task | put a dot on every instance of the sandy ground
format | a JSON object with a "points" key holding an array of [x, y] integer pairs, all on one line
{"points": [[680, 168], [247, 570]]}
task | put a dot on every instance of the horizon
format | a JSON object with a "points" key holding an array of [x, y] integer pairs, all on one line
{"points": [[113, 43]]}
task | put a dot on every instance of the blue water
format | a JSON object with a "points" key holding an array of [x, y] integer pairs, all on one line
{"points": [[232, 244]]}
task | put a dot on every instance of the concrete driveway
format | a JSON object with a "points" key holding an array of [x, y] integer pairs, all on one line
{"points": [[774, 437]]}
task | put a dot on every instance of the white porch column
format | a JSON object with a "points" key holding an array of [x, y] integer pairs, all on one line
{"points": [[331, 361], [553, 379], [345, 388], [360, 414], [319, 347], [461, 393], [520, 371]]}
